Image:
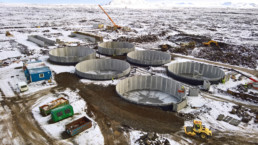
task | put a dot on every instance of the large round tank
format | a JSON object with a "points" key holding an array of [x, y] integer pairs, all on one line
{"points": [[195, 73], [148, 58], [102, 69], [115, 48], [152, 91], [71, 55]]}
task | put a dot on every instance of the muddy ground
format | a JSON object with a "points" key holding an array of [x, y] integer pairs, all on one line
{"points": [[114, 116]]}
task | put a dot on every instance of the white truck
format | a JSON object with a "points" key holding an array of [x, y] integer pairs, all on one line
{"points": [[22, 86]]}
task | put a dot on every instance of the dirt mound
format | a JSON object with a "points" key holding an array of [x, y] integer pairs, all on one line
{"points": [[225, 53], [244, 96], [140, 39], [234, 55], [66, 79], [152, 139], [181, 38]]}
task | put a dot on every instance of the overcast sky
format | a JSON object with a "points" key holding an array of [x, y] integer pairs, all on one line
{"points": [[107, 1], [58, 1]]}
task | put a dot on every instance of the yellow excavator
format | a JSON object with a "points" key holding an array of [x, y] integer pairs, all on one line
{"points": [[198, 129], [211, 42]]}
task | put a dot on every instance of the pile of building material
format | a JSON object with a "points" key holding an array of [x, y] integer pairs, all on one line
{"points": [[41, 41], [229, 120], [46, 109], [78, 126], [91, 37]]}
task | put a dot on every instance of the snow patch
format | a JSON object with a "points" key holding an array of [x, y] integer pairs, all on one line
{"points": [[90, 136]]}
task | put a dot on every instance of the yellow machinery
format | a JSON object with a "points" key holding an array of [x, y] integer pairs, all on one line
{"points": [[198, 129], [8, 34], [115, 25], [211, 42]]}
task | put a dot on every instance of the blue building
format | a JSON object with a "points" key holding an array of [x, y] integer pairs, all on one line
{"points": [[37, 72]]}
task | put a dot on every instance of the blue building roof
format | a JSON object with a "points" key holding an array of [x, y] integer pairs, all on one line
{"points": [[39, 70]]}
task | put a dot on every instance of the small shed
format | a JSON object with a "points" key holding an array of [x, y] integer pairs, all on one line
{"points": [[38, 74]]}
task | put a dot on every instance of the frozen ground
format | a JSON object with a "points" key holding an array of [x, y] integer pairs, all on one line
{"points": [[231, 26]]}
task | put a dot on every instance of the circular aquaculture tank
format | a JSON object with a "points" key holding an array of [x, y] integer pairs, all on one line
{"points": [[152, 91], [195, 73], [102, 69], [71, 55], [115, 48], [148, 58]]}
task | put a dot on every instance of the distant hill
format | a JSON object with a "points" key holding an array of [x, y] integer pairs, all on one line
{"points": [[160, 4]]}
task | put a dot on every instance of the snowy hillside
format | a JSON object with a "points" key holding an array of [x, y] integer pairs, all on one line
{"points": [[165, 4]]}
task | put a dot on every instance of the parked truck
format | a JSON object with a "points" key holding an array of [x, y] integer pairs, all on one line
{"points": [[78, 126], [46, 109]]}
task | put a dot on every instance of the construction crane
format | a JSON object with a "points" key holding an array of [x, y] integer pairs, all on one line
{"points": [[115, 25]]}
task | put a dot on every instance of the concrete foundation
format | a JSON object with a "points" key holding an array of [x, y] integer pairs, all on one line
{"points": [[195, 73], [102, 69], [115, 48], [71, 55], [148, 58], [152, 91], [92, 37], [41, 41]]}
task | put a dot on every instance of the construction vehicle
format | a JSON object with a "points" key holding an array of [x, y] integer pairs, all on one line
{"points": [[211, 42], [253, 84], [198, 129], [8, 34], [115, 25]]}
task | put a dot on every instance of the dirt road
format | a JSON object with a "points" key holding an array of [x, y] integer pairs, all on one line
{"points": [[114, 116], [113, 112], [18, 125]]}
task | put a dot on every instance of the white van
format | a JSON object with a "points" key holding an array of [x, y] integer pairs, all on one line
{"points": [[22, 86]]}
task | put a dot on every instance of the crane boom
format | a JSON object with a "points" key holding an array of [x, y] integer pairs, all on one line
{"points": [[110, 18]]}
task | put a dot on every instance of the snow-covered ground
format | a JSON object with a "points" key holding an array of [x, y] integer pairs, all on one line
{"points": [[91, 136], [11, 75], [232, 26], [165, 4], [209, 118]]}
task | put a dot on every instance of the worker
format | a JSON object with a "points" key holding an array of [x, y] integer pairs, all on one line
{"points": [[112, 79], [183, 88]]}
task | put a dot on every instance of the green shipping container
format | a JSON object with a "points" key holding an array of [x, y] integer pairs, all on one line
{"points": [[61, 113]]}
